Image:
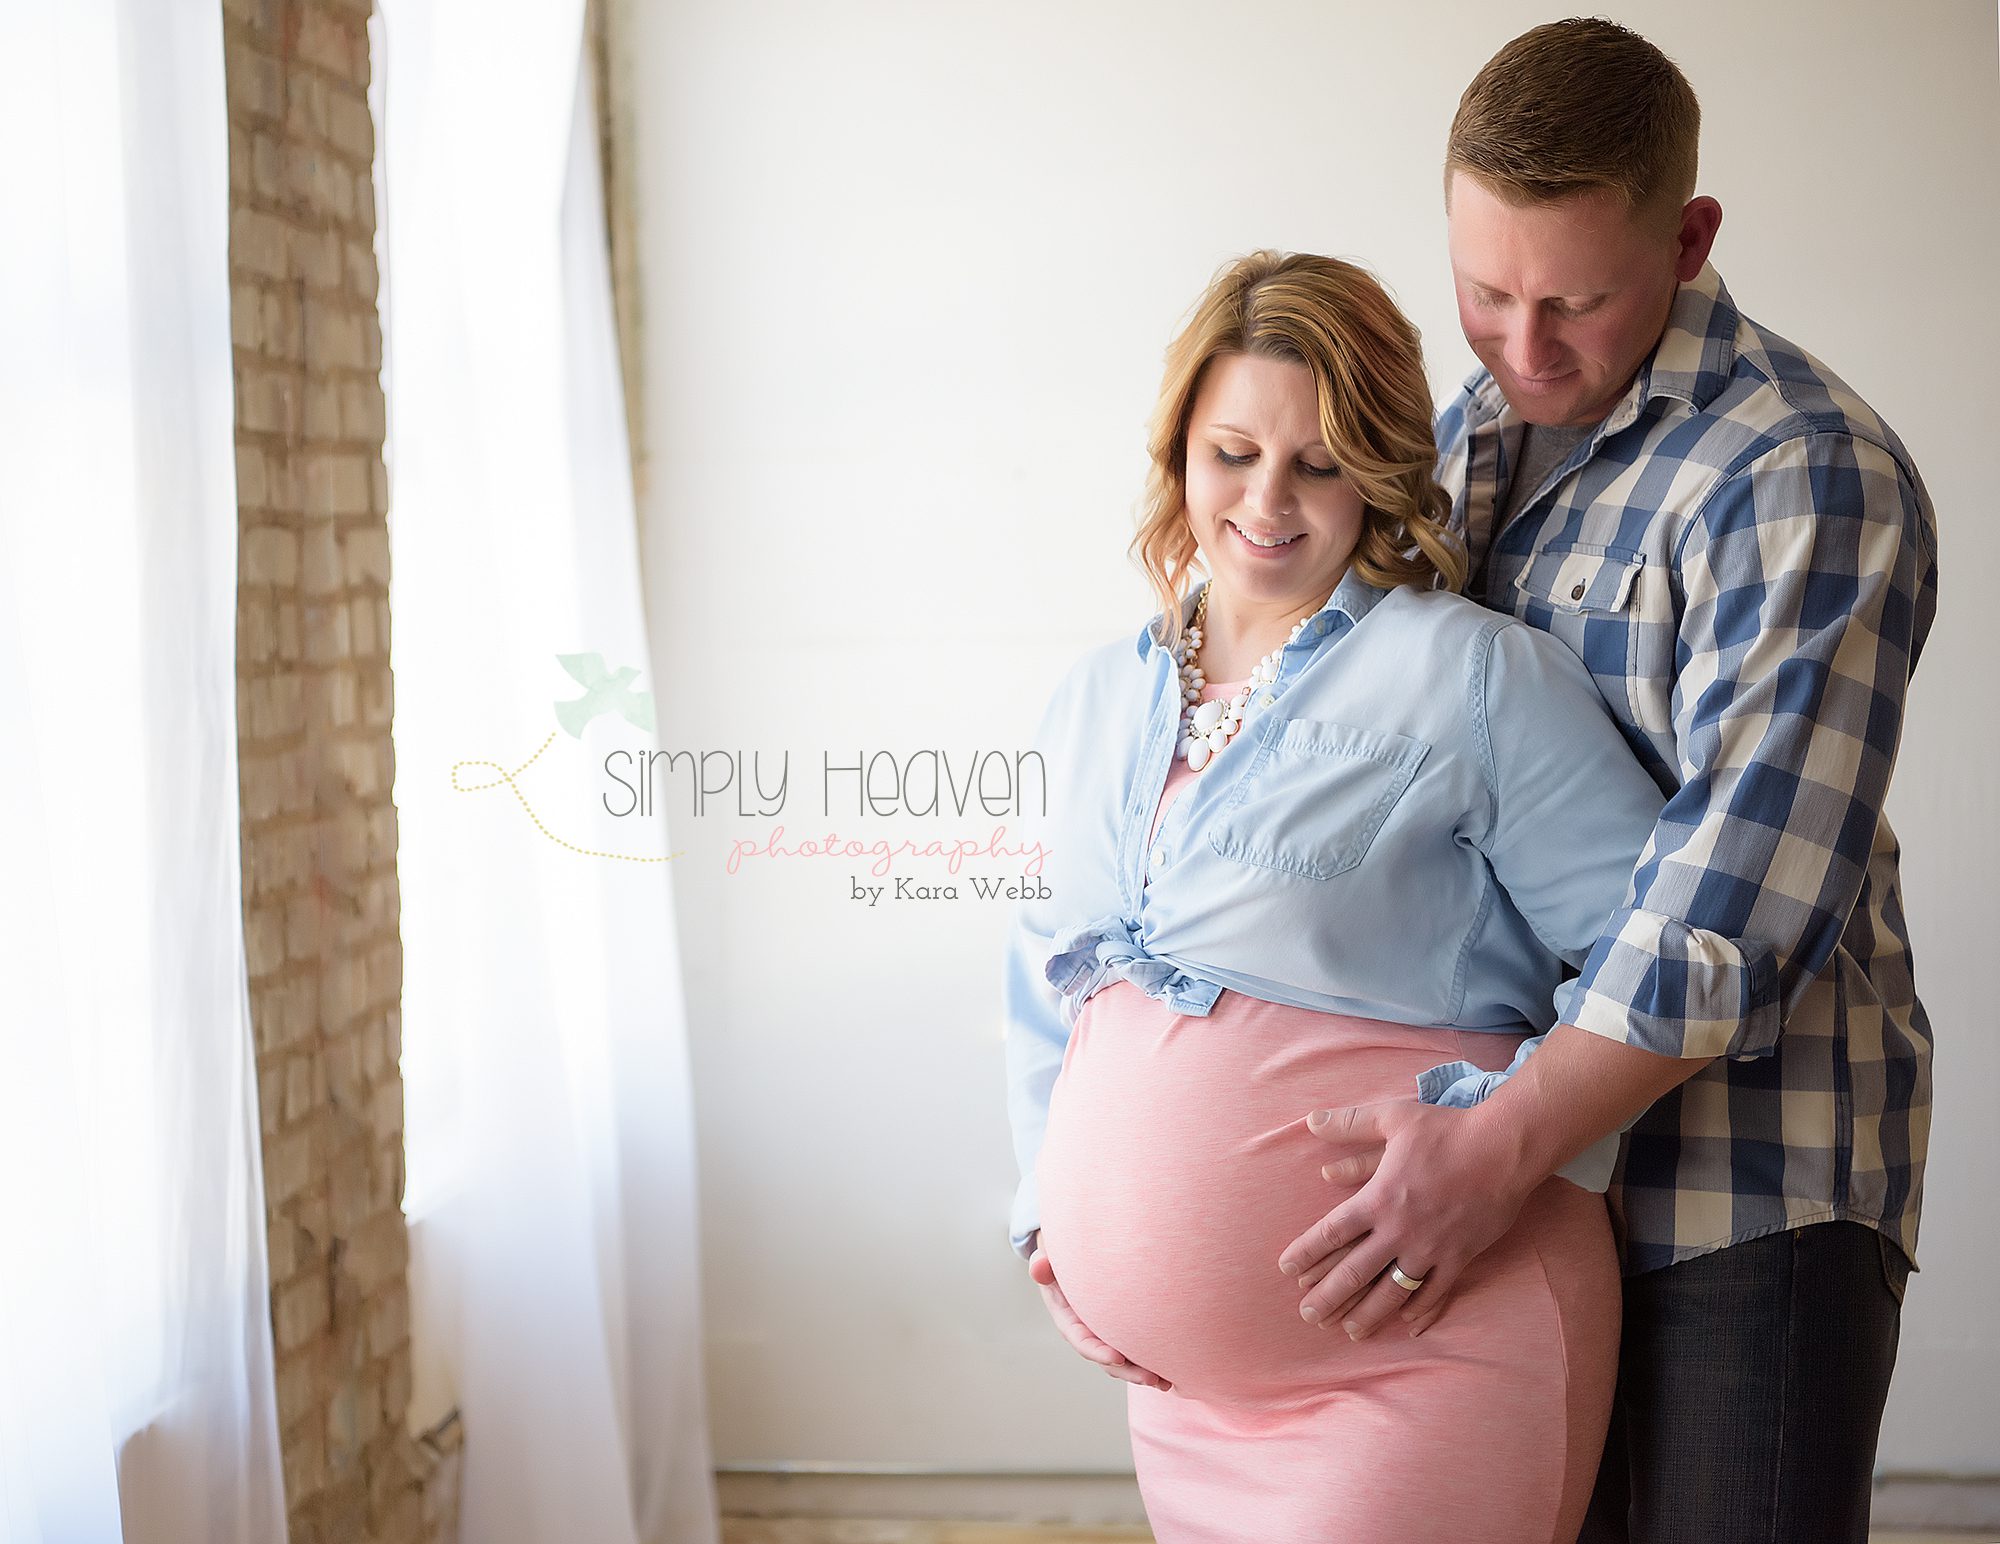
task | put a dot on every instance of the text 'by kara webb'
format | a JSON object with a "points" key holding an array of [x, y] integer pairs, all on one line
{"points": [[925, 782]]}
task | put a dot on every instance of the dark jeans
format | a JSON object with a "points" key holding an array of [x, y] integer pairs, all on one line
{"points": [[1750, 1392]]}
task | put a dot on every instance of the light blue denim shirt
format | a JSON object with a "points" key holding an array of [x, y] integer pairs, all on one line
{"points": [[1426, 817]]}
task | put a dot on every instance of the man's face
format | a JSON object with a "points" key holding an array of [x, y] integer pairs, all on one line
{"points": [[1561, 301]]}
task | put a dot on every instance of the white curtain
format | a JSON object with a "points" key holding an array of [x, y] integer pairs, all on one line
{"points": [[136, 1396], [550, 1186]]}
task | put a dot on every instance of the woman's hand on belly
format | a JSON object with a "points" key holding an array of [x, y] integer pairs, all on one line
{"points": [[1078, 1334]]}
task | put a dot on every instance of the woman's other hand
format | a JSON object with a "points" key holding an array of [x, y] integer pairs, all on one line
{"points": [[1077, 1333]]}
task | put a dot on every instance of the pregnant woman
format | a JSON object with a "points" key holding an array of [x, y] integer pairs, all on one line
{"points": [[1324, 832]]}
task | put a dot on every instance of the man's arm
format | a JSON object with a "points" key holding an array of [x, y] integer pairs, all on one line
{"points": [[1809, 580], [1573, 1090]]}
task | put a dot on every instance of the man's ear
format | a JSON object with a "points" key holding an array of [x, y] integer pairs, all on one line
{"points": [[1700, 220]]}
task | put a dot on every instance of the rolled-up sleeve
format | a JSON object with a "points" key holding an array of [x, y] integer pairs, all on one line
{"points": [[1035, 1032], [1808, 578]]}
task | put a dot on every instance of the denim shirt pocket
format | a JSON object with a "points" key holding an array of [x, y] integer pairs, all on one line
{"points": [[1313, 797], [1588, 592]]}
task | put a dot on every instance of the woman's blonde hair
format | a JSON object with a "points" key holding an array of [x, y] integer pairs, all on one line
{"points": [[1367, 364]]}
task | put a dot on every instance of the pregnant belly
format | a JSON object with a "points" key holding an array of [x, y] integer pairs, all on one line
{"points": [[1177, 1166]]}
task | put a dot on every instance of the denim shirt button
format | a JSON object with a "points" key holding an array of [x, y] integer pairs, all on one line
{"points": [[1159, 859]]}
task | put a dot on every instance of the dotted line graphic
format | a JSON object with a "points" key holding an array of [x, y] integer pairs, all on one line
{"points": [[508, 778]]}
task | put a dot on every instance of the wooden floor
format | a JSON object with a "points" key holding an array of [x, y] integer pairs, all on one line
{"points": [[857, 1530]]}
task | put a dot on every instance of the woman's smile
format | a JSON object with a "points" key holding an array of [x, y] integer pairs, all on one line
{"points": [[1263, 544]]}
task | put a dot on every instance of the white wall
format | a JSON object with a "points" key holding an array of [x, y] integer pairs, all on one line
{"points": [[906, 272]]}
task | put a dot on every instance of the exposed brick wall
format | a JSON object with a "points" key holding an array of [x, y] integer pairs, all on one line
{"points": [[314, 698]]}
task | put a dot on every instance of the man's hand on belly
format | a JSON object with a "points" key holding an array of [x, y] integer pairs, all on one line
{"points": [[1439, 1190], [1077, 1333], [1441, 1186]]}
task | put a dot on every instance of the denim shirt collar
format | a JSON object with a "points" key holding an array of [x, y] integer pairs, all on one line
{"points": [[1352, 599]]}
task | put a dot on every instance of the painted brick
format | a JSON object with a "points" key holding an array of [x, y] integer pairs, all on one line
{"points": [[256, 626], [319, 546], [336, 337], [264, 942], [325, 39], [339, 699], [256, 85], [322, 409], [317, 254], [287, 1168], [251, 488], [268, 555], [361, 627], [363, 276], [389, 1320], [298, 1388], [270, 1110], [298, 1088], [351, 129], [258, 243], [323, 633], [284, 326], [317, 765], [363, 413], [267, 170], [367, 552], [303, 1448], [379, 1253], [305, 106], [267, 400]]}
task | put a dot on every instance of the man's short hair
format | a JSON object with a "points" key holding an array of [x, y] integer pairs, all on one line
{"points": [[1574, 106]]}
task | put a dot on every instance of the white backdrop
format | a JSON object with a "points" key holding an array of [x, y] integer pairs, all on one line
{"points": [[906, 273]]}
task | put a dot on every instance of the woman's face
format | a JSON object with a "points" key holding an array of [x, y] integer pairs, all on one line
{"points": [[1257, 468]]}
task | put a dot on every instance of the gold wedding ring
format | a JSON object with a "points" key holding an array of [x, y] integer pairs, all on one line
{"points": [[1407, 1283]]}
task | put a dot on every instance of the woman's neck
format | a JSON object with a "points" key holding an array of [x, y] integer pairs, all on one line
{"points": [[1234, 636]]}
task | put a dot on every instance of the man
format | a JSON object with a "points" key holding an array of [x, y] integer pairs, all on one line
{"points": [[1744, 555]]}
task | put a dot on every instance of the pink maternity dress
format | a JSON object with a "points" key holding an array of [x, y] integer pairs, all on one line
{"points": [[1176, 1168]]}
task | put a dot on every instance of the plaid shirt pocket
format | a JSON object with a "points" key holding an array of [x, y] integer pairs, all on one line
{"points": [[1583, 595]]}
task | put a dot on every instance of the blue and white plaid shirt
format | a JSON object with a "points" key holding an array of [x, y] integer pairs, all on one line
{"points": [[1744, 556]]}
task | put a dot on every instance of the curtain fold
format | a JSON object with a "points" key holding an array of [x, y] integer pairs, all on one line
{"points": [[136, 1393], [554, 1266]]}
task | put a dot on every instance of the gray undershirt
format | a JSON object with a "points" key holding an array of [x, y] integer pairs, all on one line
{"points": [[1543, 449]]}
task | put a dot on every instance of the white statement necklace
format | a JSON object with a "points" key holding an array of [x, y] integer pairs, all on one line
{"points": [[1208, 726]]}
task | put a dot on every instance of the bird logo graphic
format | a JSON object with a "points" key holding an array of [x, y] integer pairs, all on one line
{"points": [[604, 691]]}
